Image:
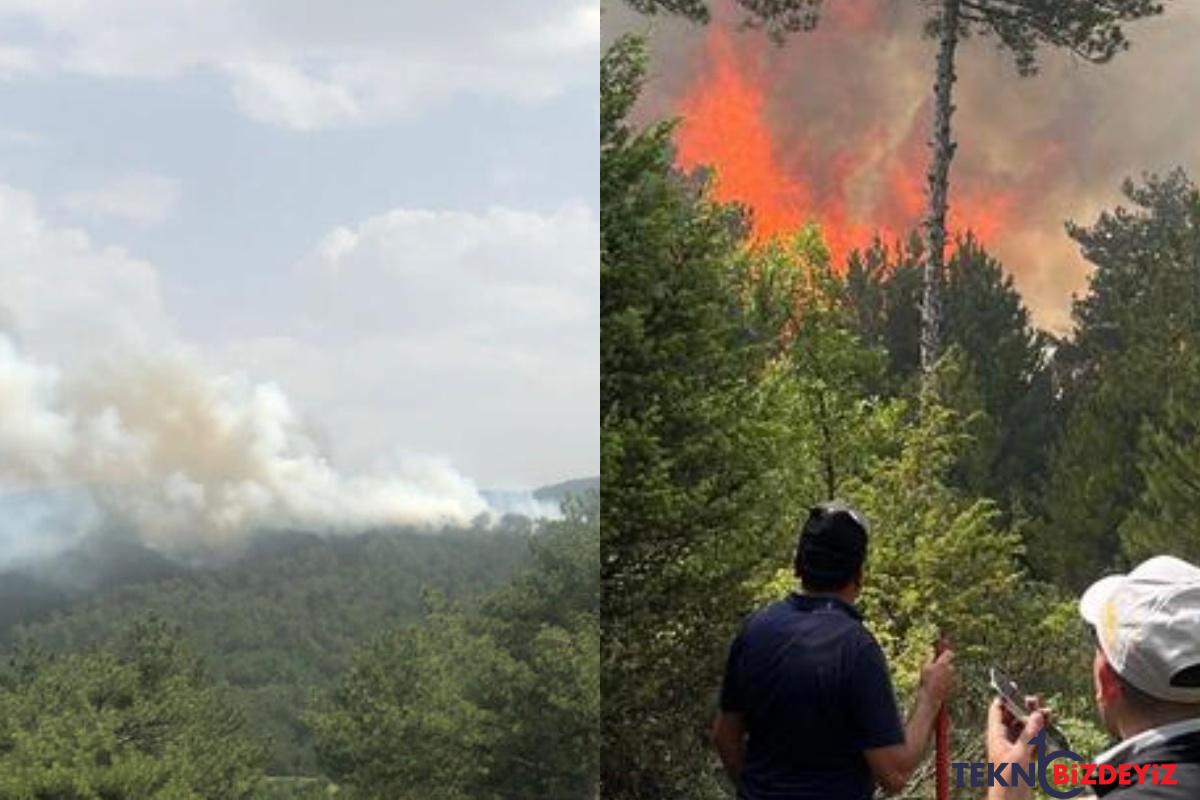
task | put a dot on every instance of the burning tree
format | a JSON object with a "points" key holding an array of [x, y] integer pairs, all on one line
{"points": [[1088, 29]]}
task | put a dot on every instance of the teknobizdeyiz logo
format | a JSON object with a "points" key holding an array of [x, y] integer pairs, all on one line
{"points": [[1077, 776]]}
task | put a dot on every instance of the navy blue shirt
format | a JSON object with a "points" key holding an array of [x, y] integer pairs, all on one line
{"points": [[813, 687]]}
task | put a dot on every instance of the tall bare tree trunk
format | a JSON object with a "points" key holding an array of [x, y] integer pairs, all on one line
{"points": [[939, 187]]}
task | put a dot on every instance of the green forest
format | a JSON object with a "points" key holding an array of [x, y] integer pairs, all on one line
{"points": [[742, 384], [393, 664]]}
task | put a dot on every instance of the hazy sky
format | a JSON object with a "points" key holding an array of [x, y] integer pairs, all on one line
{"points": [[389, 209]]}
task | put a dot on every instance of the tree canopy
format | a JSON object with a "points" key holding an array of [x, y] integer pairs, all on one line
{"points": [[502, 703], [139, 721]]}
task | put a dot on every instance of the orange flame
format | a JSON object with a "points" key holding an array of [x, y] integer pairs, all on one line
{"points": [[724, 124]]}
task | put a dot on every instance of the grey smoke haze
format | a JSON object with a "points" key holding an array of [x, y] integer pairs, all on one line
{"points": [[190, 459], [1059, 144], [109, 419]]}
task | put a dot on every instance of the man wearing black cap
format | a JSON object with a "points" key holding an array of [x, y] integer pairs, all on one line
{"points": [[807, 706]]}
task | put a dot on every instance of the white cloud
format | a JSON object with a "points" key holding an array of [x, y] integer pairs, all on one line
{"points": [[283, 94], [416, 271], [311, 63], [58, 290], [577, 29], [472, 331], [141, 197]]}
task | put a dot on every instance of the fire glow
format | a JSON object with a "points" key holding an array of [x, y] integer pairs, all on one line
{"points": [[853, 176]]}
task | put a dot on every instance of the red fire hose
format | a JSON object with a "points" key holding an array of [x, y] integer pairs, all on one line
{"points": [[941, 741]]}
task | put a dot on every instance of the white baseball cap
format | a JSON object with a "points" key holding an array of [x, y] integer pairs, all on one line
{"points": [[1148, 624]]}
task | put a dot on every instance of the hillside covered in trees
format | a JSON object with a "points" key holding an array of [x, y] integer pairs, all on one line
{"points": [[371, 663], [743, 382]]}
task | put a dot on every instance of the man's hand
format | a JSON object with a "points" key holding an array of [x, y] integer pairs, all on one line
{"points": [[938, 677], [729, 738], [1008, 742], [893, 766]]}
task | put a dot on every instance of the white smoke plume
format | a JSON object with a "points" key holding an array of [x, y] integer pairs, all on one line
{"points": [[107, 418]]}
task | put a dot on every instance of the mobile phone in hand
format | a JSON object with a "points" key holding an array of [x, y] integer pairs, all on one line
{"points": [[1014, 700]]}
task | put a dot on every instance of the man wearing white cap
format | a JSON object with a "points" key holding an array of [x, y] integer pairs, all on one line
{"points": [[1146, 673]]}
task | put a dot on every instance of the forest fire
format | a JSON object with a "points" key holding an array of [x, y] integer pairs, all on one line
{"points": [[831, 127], [855, 176]]}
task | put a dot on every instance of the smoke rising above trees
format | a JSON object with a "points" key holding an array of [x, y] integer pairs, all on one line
{"points": [[111, 420]]}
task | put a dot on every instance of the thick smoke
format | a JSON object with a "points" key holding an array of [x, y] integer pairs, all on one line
{"points": [[108, 421], [846, 110]]}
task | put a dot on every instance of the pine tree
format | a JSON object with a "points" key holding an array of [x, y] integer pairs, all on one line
{"points": [[1089, 29], [1004, 356], [883, 289], [1166, 518], [1135, 328], [137, 719], [697, 479]]}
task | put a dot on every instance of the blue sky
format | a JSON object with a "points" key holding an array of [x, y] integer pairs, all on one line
{"points": [[385, 212]]}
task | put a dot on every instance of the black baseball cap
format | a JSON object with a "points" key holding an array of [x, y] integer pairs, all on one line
{"points": [[832, 546]]}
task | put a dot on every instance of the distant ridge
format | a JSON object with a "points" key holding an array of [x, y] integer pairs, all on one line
{"points": [[102, 564], [557, 492]]}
